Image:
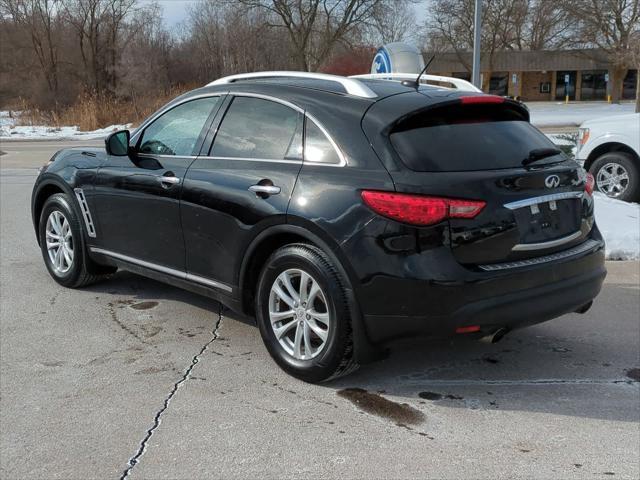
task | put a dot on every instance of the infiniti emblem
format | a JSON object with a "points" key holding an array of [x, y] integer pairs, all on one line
{"points": [[552, 181]]}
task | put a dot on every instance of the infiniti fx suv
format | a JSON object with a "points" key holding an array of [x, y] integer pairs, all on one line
{"points": [[341, 213]]}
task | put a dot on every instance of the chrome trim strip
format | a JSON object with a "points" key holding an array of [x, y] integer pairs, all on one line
{"points": [[527, 202], [242, 159], [268, 97], [351, 85], [523, 247], [584, 247], [160, 268], [165, 109], [341, 156], [86, 213], [343, 161]]}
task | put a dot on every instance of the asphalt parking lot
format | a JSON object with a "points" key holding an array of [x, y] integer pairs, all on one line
{"points": [[134, 376]]}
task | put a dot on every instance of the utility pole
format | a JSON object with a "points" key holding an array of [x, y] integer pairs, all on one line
{"points": [[477, 44]]}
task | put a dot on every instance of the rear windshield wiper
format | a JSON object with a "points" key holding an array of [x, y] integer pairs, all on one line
{"points": [[540, 153]]}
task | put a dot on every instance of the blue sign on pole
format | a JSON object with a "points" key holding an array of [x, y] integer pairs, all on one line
{"points": [[382, 62]]}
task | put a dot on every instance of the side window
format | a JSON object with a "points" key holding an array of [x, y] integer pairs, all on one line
{"points": [[259, 129], [176, 131], [317, 147]]}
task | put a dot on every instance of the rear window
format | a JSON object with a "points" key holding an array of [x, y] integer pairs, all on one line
{"points": [[467, 137]]}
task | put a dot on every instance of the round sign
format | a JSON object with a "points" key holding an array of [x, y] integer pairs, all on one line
{"points": [[381, 62]]}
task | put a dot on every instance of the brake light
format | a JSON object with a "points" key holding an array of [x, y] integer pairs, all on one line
{"points": [[471, 99], [418, 209], [589, 184]]}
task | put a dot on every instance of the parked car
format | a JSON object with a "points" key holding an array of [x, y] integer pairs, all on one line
{"points": [[342, 213], [609, 148]]}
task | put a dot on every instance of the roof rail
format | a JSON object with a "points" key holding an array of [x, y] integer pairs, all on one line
{"points": [[458, 83], [351, 85]]}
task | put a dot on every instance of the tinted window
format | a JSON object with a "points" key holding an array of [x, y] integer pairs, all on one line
{"points": [[467, 138], [317, 147], [259, 129], [176, 131]]}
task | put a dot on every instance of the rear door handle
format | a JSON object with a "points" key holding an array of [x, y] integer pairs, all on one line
{"points": [[265, 189]]}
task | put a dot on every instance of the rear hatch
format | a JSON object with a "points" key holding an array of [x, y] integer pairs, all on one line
{"points": [[483, 148]]}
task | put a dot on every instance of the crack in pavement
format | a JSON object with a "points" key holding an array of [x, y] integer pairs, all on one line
{"points": [[134, 460]]}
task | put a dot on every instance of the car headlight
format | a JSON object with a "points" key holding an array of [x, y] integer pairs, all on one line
{"points": [[583, 137]]}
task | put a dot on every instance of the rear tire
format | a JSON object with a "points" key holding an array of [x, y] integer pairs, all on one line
{"points": [[617, 175], [303, 314], [63, 247]]}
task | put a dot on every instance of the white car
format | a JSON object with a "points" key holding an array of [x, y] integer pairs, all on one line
{"points": [[609, 148]]}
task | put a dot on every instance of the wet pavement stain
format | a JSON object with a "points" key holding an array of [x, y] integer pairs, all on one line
{"points": [[634, 374], [144, 305], [374, 404], [430, 395]]}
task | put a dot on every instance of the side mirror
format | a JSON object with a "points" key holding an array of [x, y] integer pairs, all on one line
{"points": [[117, 143]]}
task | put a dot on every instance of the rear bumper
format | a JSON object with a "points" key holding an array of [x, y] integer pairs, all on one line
{"points": [[511, 298]]}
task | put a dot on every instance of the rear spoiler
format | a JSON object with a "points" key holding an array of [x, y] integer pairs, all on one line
{"points": [[456, 83], [465, 99]]}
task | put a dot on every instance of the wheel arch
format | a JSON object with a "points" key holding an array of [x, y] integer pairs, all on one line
{"points": [[277, 236], [608, 148], [44, 189]]}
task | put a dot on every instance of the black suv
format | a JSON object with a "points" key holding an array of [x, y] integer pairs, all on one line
{"points": [[342, 213]]}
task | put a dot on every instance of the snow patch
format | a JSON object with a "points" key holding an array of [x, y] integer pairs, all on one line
{"points": [[9, 130], [619, 223]]}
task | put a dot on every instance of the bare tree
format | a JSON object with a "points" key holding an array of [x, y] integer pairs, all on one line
{"points": [[315, 27], [98, 25], [611, 26], [451, 28], [392, 22], [40, 19]]}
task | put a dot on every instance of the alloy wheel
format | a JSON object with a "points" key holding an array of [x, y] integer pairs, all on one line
{"points": [[299, 314], [612, 179], [59, 241]]}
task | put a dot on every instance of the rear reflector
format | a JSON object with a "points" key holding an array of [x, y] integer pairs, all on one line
{"points": [[418, 209], [481, 99], [469, 329], [589, 184]]}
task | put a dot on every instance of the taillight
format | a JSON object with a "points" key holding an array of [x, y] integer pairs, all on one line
{"points": [[418, 209], [589, 184]]}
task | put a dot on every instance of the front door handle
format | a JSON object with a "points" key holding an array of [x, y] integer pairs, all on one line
{"points": [[167, 181], [264, 190]]}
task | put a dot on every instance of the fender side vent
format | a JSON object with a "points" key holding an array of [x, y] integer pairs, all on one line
{"points": [[86, 214]]}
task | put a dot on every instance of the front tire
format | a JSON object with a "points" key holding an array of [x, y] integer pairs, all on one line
{"points": [[303, 314], [617, 176], [62, 244]]}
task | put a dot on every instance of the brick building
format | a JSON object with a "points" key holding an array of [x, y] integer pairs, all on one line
{"points": [[542, 75]]}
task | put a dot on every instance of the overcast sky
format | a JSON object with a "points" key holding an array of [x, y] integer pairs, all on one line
{"points": [[175, 11]]}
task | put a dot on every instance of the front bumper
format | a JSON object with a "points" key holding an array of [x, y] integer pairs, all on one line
{"points": [[510, 298]]}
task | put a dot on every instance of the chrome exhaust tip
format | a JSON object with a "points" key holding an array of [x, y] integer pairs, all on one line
{"points": [[494, 337]]}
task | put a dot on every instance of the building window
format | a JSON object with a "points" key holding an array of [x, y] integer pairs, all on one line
{"points": [[594, 86], [499, 84], [566, 85], [629, 85]]}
